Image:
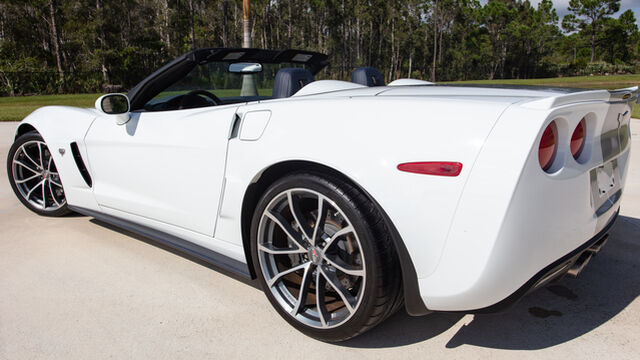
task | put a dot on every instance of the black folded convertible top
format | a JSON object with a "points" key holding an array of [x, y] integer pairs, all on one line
{"points": [[181, 66]]}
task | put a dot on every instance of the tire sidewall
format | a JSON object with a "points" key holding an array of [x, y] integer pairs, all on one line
{"points": [[30, 136], [331, 189]]}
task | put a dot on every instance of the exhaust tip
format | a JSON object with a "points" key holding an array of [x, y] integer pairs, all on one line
{"points": [[580, 263]]}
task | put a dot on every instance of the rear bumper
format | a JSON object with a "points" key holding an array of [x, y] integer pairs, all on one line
{"points": [[531, 248], [514, 226], [554, 271]]}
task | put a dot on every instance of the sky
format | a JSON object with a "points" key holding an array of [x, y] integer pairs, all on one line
{"points": [[562, 5]]}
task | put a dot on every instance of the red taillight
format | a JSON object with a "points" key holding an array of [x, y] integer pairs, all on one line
{"points": [[548, 146], [578, 139], [432, 168]]}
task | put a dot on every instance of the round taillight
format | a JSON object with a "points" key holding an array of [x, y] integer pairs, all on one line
{"points": [[578, 139], [548, 146]]}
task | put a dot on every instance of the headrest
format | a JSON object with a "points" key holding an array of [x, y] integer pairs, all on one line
{"points": [[289, 81], [367, 76]]}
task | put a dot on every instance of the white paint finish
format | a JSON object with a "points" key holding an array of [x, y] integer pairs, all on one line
{"points": [[473, 239], [324, 86], [253, 124], [120, 119], [460, 91], [74, 274], [167, 166], [367, 147], [405, 82], [59, 127], [528, 218], [359, 91], [560, 100]]}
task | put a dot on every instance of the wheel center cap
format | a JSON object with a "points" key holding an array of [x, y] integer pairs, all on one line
{"points": [[45, 174], [315, 255]]}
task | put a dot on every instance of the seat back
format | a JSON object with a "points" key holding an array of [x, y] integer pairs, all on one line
{"points": [[289, 80], [367, 76]]}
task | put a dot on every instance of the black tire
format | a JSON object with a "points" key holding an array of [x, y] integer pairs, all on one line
{"points": [[23, 139], [381, 295]]}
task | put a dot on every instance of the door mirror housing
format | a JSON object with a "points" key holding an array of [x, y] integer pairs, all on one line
{"points": [[116, 105], [245, 68]]}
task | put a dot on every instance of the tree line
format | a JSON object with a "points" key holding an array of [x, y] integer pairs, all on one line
{"points": [[54, 46]]}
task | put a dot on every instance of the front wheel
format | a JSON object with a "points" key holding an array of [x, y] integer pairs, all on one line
{"points": [[34, 177], [324, 257]]}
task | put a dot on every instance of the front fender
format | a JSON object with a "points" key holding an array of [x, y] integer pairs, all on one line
{"points": [[60, 126]]}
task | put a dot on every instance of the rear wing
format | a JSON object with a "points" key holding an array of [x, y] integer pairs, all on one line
{"points": [[626, 95]]}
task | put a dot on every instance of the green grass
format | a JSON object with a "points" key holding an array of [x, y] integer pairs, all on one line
{"points": [[587, 82], [609, 82], [16, 108]]}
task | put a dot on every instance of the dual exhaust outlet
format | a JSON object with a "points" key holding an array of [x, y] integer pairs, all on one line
{"points": [[586, 256]]}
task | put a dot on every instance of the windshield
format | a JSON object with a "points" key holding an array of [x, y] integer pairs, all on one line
{"points": [[226, 87]]}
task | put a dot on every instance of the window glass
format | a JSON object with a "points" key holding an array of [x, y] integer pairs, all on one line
{"points": [[215, 78]]}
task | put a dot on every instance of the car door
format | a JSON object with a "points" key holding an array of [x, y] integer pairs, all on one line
{"points": [[164, 166]]}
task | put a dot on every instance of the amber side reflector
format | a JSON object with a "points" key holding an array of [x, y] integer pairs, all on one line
{"points": [[438, 168]]}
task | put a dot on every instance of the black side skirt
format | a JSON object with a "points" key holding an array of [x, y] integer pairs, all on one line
{"points": [[209, 256]]}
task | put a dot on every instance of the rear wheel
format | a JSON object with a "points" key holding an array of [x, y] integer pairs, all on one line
{"points": [[324, 257], [34, 177]]}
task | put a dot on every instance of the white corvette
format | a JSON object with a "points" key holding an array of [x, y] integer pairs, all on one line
{"points": [[346, 200]]}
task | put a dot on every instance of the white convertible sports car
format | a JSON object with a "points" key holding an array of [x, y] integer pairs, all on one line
{"points": [[346, 200]]}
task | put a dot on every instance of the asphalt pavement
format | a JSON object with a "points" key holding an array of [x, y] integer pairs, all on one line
{"points": [[75, 288]]}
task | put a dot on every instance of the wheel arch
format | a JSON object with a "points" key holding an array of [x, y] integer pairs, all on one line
{"points": [[413, 301], [23, 129]]}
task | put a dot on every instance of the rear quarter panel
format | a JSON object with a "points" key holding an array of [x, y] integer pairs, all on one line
{"points": [[365, 139], [514, 219]]}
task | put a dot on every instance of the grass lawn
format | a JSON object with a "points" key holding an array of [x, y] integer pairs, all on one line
{"points": [[16, 108]]}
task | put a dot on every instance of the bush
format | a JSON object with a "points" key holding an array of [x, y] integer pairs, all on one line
{"points": [[606, 68], [599, 68], [48, 82]]}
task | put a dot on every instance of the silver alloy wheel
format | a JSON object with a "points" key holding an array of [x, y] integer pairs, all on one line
{"points": [[311, 258], [36, 176]]}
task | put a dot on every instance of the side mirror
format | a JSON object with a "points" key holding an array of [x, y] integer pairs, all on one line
{"points": [[116, 105]]}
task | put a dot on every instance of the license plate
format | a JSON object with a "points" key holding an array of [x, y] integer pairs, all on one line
{"points": [[606, 179], [605, 183]]}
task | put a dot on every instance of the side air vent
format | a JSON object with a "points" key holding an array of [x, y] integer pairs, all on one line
{"points": [[235, 127], [81, 167]]}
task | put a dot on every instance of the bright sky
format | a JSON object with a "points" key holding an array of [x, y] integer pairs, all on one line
{"points": [[562, 5]]}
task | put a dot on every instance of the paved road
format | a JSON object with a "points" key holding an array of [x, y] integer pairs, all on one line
{"points": [[75, 288]]}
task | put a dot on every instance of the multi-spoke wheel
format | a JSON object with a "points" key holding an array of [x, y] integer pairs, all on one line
{"points": [[34, 177], [324, 257]]}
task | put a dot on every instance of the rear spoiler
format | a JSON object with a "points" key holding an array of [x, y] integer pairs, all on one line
{"points": [[626, 95]]}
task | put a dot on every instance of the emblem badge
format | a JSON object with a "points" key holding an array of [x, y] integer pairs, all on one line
{"points": [[61, 151]]}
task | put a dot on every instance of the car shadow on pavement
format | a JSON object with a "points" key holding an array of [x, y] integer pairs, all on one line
{"points": [[560, 312]]}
